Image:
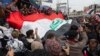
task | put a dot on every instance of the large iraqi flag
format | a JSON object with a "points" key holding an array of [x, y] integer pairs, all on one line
{"points": [[43, 22]]}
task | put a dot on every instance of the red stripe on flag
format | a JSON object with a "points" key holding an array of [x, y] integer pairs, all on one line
{"points": [[15, 20]]}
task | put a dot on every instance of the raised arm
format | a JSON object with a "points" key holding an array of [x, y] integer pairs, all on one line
{"points": [[37, 38], [84, 36]]}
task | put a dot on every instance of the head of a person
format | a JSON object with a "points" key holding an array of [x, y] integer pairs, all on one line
{"points": [[40, 52], [51, 35], [49, 11], [53, 47], [36, 45], [72, 35], [74, 27], [15, 34], [20, 4], [93, 43], [7, 25], [65, 16], [30, 33]]}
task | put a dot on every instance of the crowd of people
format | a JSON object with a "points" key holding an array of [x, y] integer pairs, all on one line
{"points": [[83, 40]]}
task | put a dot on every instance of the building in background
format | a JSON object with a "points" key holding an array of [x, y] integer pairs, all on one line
{"points": [[75, 13], [59, 5]]}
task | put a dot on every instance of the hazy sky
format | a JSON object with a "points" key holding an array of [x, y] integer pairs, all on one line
{"points": [[80, 4]]}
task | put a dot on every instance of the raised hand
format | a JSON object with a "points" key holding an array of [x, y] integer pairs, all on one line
{"points": [[80, 29], [36, 30], [10, 52], [67, 49]]}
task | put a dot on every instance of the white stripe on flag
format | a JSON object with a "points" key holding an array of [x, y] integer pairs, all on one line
{"points": [[43, 26]]}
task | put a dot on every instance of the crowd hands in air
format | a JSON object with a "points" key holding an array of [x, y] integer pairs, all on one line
{"points": [[80, 40]]}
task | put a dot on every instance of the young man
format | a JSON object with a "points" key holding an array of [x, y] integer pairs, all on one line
{"points": [[74, 43], [92, 49]]}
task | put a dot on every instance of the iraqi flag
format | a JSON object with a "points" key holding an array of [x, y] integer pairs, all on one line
{"points": [[89, 11], [97, 16], [43, 22]]}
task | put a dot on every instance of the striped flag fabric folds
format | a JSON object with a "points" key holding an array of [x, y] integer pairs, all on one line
{"points": [[43, 22]]}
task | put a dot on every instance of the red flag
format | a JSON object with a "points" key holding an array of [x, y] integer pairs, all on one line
{"points": [[15, 20]]}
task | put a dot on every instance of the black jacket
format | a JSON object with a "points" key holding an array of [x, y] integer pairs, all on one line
{"points": [[96, 52]]}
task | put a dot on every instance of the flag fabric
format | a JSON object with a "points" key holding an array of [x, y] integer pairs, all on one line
{"points": [[90, 10], [98, 16], [43, 22], [15, 20]]}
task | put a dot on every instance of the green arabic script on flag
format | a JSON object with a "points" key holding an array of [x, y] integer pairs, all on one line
{"points": [[57, 23]]}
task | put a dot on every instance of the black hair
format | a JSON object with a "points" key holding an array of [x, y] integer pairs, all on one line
{"points": [[72, 34], [74, 27], [21, 36], [51, 35], [40, 52], [21, 3], [91, 39], [29, 33]]}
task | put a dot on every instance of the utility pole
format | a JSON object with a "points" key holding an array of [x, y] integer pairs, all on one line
{"points": [[94, 8], [40, 2], [68, 8]]}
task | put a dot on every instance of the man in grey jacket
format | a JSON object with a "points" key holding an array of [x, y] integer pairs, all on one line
{"points": [[74, 44]]}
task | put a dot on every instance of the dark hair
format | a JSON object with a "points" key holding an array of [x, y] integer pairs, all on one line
{"points": [[51, 35], [21, 3], [72, 34], [29, 33], [74, 27], [40, 52], [91, 39], [21, 36], [92, 35]]}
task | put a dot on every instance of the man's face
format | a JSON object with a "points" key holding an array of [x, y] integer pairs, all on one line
{"points": [[93, 43], [33, 35]]}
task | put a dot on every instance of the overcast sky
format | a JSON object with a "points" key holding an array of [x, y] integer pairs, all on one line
{"points": [[80, 4]]}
